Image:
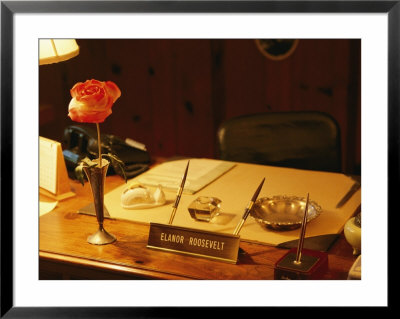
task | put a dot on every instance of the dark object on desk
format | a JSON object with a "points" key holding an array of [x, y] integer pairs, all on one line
{"points": [[320, 243], [354, 188], [314, 265], [80, 141], [304, 140]]}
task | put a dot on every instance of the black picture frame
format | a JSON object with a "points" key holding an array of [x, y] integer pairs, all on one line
{"points": [[9, 8]]}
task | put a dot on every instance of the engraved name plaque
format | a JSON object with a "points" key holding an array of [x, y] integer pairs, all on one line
{"points": [[200, 243]]}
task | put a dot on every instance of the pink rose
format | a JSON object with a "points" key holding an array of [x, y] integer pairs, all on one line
{"points": [[92, 101]]}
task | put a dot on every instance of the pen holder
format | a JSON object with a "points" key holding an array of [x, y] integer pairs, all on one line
{"points": [[313, 265]]}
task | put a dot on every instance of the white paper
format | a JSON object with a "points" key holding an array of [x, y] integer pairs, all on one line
{"points": [[46, 207], [201, 172], [48, 164]]}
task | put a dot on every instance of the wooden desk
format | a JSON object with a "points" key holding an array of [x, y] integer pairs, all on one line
{"points": [[65, 254]]}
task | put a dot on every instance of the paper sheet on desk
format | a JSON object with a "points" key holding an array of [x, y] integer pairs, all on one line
{"points": [[202, 171], [46, 207], [236, 187]]}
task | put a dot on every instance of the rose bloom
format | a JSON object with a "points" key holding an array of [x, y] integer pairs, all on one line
{"points": [[92, 101]]}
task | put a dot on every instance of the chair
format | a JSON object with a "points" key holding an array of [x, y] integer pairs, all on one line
{"points": [[305, 140]]}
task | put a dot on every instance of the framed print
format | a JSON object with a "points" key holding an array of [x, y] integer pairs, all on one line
{"points": [[276, 32]]}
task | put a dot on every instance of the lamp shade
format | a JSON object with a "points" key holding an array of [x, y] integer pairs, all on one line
{"points": [[57, 50]]}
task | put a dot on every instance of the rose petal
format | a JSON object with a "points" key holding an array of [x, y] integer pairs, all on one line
{"points": [[77, 115], [113, 90], [92, 101]]}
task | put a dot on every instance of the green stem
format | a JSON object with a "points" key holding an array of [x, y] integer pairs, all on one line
{"points": [[99, 143]]}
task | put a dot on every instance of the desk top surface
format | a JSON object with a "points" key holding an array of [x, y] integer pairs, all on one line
{"points": [[63, 234]]}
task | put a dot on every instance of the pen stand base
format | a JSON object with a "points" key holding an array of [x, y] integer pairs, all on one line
{"points": [[313, 265]]}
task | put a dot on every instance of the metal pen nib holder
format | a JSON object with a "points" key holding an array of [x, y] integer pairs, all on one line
{"points": [[194, 242], [301, 263]]}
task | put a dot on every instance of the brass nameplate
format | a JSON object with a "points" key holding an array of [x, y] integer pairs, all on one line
{"points": [[200, 243]]}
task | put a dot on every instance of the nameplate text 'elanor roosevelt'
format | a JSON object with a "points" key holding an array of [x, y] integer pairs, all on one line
{"points": [[195, 242]]}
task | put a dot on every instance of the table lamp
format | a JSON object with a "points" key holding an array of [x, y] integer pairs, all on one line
{"points": [[54, 181], [57, 50]]}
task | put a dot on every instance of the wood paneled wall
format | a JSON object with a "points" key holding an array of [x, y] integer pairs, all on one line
{"points": [[176, 92]]}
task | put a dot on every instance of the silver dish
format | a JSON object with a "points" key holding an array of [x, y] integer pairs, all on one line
{"points": [[284, 212]]}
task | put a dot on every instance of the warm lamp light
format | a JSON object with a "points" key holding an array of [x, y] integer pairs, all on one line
{"points": [[57, 50]]}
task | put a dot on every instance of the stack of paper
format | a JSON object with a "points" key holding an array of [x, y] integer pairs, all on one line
{"points": [[202, 171]]}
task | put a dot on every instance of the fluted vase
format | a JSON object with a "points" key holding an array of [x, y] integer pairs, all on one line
{"points": [[96, 176]]}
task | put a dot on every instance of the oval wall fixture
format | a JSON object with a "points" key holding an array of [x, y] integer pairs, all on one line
{"points": [[277, 49]]}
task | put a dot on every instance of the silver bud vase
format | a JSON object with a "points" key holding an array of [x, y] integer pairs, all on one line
{"points": [[96, 177]]}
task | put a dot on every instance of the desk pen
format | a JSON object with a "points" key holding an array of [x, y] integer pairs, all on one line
{"points": [[179, 194], [248, 208], [302, 234]]}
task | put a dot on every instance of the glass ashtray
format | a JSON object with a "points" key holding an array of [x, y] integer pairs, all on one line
{"points": [[204, 208], [284, 212]]}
